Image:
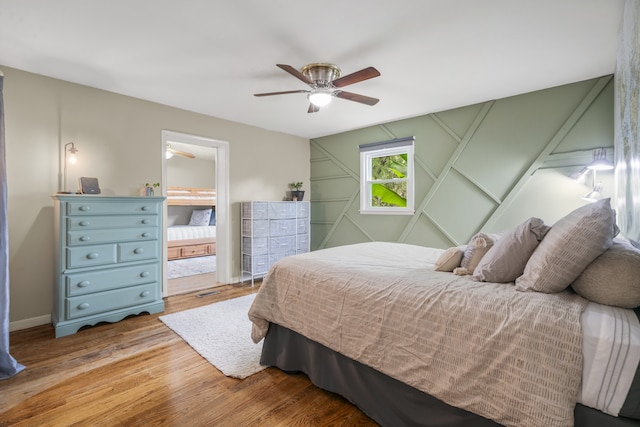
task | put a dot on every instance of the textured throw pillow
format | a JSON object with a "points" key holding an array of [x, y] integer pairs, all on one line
{"points": [[200, 217], [613, 278], [450, 259], [568, 248], [506, 260], [476, 249]]}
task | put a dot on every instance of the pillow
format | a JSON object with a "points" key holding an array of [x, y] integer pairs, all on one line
{"points": [[613, 277], [450, 259], [200, 217], [568, 248], [476, 249], [505, 261], [212, 220]]}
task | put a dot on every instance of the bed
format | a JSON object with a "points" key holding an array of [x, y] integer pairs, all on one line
{"points": [[198, 237], [409, 345]]}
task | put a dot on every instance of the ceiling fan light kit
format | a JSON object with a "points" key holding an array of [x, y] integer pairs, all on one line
{"points": [[324, 79]]}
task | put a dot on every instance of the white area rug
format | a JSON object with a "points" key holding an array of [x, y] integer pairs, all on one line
{"points": [[191, 266], [221, 333]]}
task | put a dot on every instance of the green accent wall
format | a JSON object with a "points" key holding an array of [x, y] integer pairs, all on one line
{"points": [[484, 167]]}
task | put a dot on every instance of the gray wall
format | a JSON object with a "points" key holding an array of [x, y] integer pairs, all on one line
{"points": [[483, 167]]}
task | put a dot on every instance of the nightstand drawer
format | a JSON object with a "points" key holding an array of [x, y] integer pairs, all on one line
{"points": [[91, 256], [86, 305], [135, 251], [98, 281], [111, 222], [92, 237], [87, 207]]}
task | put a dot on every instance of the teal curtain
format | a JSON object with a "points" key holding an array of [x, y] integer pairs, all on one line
{"points": [[627, 122], [8, 365]]}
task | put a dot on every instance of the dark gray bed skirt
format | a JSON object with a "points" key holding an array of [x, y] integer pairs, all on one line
{"points": [[387, 401]]}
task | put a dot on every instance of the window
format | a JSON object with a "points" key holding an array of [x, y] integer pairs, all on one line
{"points": [[386, 177]]}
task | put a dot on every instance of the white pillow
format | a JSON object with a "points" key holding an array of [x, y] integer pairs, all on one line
{"points": [[568, 248], [200, 217], [450, 259]]}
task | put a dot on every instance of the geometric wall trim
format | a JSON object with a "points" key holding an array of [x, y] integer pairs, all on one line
{"points": [[472, 164]]}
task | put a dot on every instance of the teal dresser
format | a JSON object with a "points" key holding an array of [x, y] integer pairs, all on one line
{"points": [[108, 253]]}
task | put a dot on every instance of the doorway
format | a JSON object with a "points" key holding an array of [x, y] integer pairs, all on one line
{"points": [[211, 152]]}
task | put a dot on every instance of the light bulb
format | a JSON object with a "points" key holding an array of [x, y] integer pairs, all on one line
{"points": [[320, 97]]}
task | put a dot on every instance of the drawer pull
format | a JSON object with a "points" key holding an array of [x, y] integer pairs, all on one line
{"points": [[84, 284], [145, 221], [85, 238], [138, 250], [93, 255], [145, 274], [83, 306], [146, 234], [144, 294], [84, 223], [145, 208], [85, 208]]}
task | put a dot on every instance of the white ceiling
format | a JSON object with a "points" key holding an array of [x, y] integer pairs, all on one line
{"points": [[211, 56]]}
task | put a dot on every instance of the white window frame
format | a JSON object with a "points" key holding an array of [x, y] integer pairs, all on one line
{"points": [[380, 149]]}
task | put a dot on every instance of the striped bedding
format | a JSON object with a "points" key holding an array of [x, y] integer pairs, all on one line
{"points": [[188, 232], [611, 348]]}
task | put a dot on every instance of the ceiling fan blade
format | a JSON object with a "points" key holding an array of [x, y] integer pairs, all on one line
{"points": [[358, 76], [356, 98], [295, 73], [313, 108], [280, 93], [182, 153]]}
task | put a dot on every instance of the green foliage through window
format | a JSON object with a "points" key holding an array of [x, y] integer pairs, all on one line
{"points": [[389, 185]]}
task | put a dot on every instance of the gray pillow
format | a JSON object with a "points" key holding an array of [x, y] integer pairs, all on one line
{"points": [[568, 248], [476, 249], [506, 260], [613, 278]]}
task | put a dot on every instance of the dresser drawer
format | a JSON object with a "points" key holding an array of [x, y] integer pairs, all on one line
{"points": [[302, 243], [91, 237], [258, 228], [135, 251], [86, 305], [89, 256], [282, 210], [113, 208], [98, 281], [303, 226], [256, 264], [257, 246], [112, 222], [255, 210], [282, 244], [303, 209], [282, 227]]}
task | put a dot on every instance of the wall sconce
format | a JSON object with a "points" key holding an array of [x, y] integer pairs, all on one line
{"points": [[600, 161], [71, 158]]}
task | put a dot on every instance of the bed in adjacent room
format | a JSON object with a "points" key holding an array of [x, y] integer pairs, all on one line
{"points": [[198, 236], [534, 327]]}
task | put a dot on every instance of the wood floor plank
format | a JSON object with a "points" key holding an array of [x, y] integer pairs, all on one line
{"points": [[138, 372]]}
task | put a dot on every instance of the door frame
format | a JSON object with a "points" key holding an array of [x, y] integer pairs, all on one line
{"points": [[223, 236]]}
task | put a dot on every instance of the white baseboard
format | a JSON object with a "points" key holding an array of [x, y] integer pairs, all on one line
{"points": [[29, 323]]}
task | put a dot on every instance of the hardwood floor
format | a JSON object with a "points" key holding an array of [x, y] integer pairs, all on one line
{"points": [[138, 372]]}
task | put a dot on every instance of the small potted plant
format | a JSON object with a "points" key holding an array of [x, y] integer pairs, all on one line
{"points": [[148, 188], [296, 193]]}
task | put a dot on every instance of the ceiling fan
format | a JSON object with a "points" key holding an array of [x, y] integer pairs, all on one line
{"points": [[169, 152], [325, 80]]}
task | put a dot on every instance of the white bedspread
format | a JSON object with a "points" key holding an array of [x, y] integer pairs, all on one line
{"points": [[188, 232], [509, 356]]}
